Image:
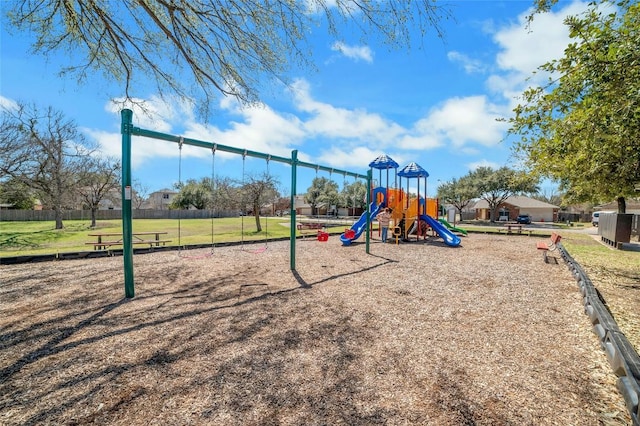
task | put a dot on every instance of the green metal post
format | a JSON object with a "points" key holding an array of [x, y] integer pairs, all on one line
{"points": [[292, 211], [127, 246]]}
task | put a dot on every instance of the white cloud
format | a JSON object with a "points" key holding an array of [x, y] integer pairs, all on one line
{"points": [[353, 136], [154, 113], [463, 121], [471, 66], [259, 129], [422, 139], [340, 157], [483, 163], [523, 50], [8, 104], [325, 120], [357, 53], [142, 151]]}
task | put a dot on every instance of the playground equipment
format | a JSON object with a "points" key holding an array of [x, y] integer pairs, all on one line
{"points": [[410, 214], [360, 225], [451, 227], [128, 130]]}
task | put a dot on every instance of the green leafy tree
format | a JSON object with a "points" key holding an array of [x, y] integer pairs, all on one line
{"points": [[44, 151], [495, 186], [458, 192], [193, 193], [321, 191], [582, 129], [198, 49], [17, 194], [354, 195]]}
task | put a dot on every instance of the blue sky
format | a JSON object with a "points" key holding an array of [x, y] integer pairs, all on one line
{"points": [[435, 104]]}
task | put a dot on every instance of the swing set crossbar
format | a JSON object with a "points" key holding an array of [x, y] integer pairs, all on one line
{"points": [[136, 131]]}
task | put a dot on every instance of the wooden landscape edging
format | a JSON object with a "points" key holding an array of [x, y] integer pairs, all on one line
{"points": [[622, 356]]}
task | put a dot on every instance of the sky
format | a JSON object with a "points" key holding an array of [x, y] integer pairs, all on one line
{"points": [[436, 104]]}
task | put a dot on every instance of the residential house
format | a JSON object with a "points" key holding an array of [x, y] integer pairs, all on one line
{"points": [[303, 208], [517, 205], [112, 201], [160, 200]]}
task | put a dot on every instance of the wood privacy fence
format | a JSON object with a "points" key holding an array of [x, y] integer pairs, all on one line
{"points": [[47, 215]]}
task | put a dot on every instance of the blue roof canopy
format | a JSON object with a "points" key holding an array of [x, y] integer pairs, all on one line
{"points": [[413, 170], [383, 162]]}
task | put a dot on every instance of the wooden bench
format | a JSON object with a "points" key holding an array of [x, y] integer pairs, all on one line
{"points": [[309, 228], [138, 238], [546, 247]]}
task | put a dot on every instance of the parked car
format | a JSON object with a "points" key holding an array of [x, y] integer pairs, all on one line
{"points": [[524, 219], [595, 217]]}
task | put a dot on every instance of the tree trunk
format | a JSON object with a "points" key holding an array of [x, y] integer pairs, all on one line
{"points": [[93, 216], [256, 215], [622, 205], [58, 217], [258, 224]]}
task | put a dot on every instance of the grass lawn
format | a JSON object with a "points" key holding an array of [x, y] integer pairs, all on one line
{"points": [[27, 238]]}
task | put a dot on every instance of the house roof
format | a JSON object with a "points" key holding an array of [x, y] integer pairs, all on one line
{"points": [[630, 203], [164, 191], [519, 201]]}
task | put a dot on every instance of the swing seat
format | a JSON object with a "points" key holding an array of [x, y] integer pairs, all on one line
{"points": [[323, 236]]}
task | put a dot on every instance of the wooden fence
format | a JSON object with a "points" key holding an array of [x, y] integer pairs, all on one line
{"points": [[48, 215]]}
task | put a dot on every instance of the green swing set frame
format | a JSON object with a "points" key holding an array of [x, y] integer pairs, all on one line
{"points": [[128, 130]]}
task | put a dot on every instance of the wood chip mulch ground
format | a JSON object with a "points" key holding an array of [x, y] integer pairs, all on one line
{"points": [[413, 334]]}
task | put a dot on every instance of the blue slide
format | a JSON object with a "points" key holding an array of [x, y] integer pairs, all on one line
{"points": [[361, 224], [449, 238]]}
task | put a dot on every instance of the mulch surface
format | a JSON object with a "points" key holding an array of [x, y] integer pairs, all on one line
{"points": [[413, 334]]}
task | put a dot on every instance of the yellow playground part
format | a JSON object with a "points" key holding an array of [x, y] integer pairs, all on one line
{"points": [[406, 208]]}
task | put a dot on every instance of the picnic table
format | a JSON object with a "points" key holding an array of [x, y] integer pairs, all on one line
{"points": [[307, 228], [514, 228], [108, 239]]}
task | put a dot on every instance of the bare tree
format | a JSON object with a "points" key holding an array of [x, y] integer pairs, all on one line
{"points": [[140, 193], [44, 151], [98, 178], [202, 48]]}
